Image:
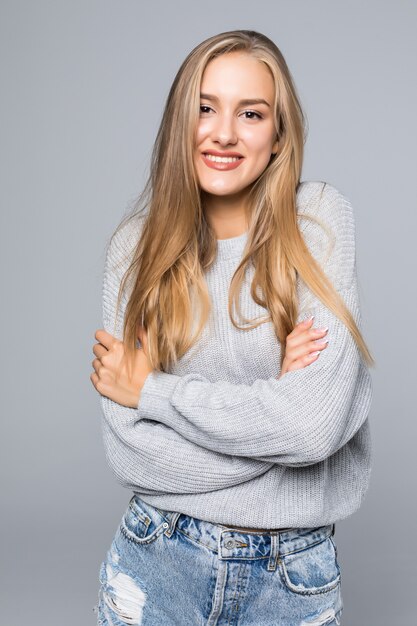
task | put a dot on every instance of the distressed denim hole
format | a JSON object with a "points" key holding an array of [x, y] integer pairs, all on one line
{"points": [[123, 596], [327, 617]]}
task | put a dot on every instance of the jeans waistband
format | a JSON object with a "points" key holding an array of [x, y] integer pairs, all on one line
{"points": [[229, 543]]}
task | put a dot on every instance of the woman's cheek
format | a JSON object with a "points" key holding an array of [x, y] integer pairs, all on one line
{"points": [[203, 130]]}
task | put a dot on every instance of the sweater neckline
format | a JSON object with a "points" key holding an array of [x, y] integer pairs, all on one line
{"points": [[232, 247]]}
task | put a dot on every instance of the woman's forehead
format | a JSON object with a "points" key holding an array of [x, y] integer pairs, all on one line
{"points": [[233, 73]]}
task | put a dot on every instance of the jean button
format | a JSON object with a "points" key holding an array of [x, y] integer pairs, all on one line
{"points": [[230, 544], [165, 525]]}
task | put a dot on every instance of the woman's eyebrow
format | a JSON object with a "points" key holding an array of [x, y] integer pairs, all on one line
{"points": [[247, 101]]}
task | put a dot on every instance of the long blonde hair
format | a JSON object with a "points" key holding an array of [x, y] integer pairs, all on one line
{"points": [[177, 245]]}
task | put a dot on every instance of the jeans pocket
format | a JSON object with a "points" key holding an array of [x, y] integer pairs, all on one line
{"points": [[312, 570], [142, 525]]}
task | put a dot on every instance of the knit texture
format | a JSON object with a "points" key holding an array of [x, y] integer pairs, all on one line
{"points": [[218, 436]]}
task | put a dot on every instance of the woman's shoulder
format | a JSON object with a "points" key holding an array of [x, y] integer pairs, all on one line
{"points": [[327, 205], [327, 222], [123, 241], [319, 196]]}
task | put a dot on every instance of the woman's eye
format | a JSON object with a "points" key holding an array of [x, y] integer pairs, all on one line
{"points": [[253, 113], [204, 106]]}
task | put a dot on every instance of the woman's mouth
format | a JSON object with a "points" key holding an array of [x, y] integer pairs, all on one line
{"points": [[221, 163]]}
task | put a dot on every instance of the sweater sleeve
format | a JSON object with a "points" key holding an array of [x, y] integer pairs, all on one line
{"points": [[148, 455], [305, 416]]}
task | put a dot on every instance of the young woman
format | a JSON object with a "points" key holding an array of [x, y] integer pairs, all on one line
{"points": [[233, 375]]}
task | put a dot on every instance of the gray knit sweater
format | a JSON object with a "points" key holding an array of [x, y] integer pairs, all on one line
{"points": [[222, 439]]}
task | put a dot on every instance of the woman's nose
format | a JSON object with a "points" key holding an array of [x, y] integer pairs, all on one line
{"points": [[224, 130]]}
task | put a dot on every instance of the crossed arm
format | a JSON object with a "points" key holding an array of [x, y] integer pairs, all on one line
{"points": [[300, 419], [189, 434]]}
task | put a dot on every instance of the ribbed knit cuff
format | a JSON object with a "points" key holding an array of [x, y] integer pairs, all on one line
{"points": [[156, 394]]}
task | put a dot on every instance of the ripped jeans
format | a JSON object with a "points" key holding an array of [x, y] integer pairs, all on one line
{"points": [[168, 569]]}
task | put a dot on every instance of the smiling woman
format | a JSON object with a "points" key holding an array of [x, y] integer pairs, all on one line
{"points": [[226, 123], [243, 442]]}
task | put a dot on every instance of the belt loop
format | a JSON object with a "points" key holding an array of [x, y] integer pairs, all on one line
{"points": [[273, 556], [173, 518]]}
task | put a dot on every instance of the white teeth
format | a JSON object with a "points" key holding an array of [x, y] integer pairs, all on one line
{"points": [[218, 159]]}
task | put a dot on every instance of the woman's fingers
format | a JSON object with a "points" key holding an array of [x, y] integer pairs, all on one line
{"points": [[96, 363], [305, 349], [94, 379], [303, 361], [107, 347], [304, 340], [99, 350], [105, 338], [304, 344]]}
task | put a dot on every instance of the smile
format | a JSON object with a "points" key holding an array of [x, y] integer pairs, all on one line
{"points": [[221, 163]]}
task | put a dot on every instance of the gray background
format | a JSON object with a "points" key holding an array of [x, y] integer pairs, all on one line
{"points": [[82, 90]]}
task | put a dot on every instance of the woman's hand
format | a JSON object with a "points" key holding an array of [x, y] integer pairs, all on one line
{"points": [[110, 377], [301, 347]]}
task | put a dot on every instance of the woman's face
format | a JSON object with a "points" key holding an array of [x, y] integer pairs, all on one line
{"points": [[230, 126]]}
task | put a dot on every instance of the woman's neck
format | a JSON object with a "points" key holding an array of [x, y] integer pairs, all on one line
{"points": [[227, 216]]}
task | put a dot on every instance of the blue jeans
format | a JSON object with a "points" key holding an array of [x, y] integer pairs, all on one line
{"points": [[168, 569]]}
